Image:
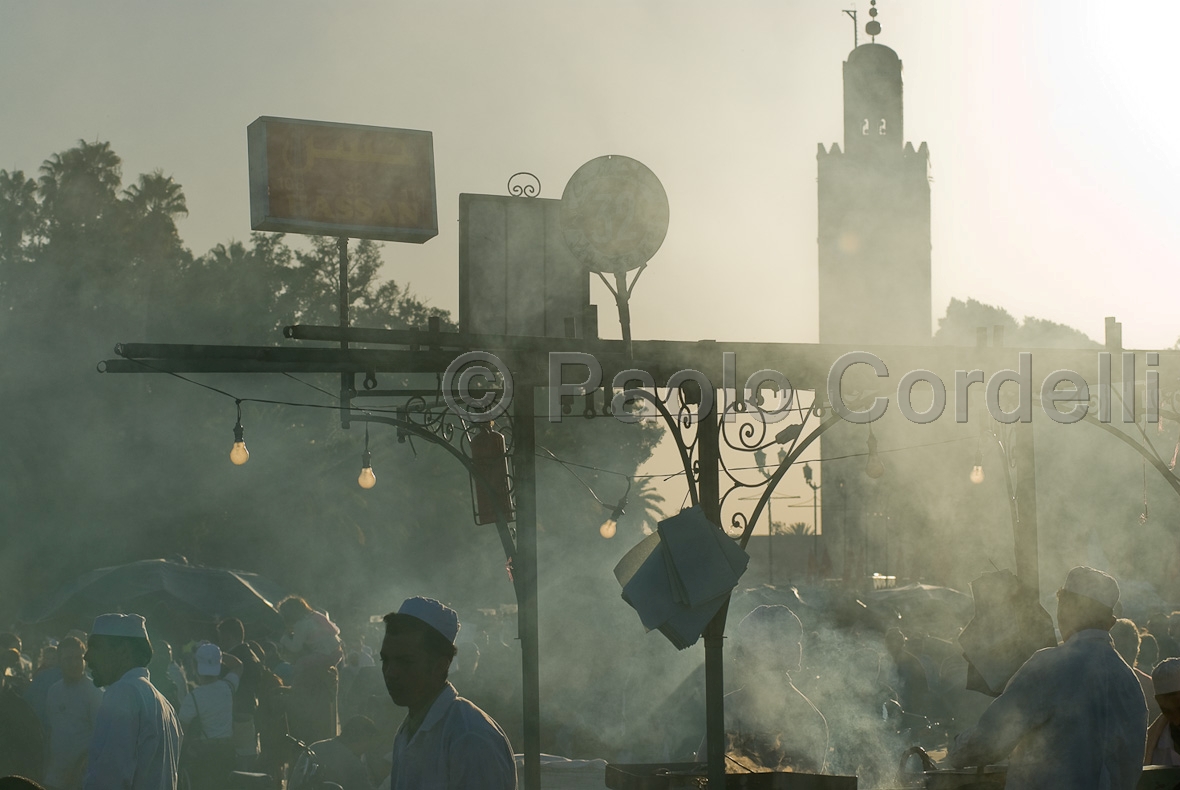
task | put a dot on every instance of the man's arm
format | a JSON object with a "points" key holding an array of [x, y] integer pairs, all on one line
{"points": [[1024, 706], [112, 759]]}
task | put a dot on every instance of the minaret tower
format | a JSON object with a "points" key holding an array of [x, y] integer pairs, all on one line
{"points": [[874, 212]]}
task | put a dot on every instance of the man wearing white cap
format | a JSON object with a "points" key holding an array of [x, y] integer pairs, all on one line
{"points": [[1163, 736], [136, 741], [445, 740], [1073, 715]]}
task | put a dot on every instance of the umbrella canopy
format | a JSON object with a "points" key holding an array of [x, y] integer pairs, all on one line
{"points": [[941, 611], [171, 595]]}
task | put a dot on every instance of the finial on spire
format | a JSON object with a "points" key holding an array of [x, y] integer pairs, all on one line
{"points": [[873, 28]]}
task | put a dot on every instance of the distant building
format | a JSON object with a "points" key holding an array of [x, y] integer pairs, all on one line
{"points": [[874, 214], [874, 288]]}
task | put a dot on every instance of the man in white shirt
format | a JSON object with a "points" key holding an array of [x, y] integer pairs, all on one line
{"points": [[445, 742], [1073, 715], [207, 714], [71, 709], [136, 743]]}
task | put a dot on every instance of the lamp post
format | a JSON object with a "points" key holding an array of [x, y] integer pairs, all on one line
{"points": [[814, 486]]}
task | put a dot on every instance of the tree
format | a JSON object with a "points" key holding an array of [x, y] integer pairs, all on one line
{"points": [[799, 528]]}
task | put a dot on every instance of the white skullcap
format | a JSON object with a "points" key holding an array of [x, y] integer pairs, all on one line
{"points": [[132, 625], [1093, 584], [1166, 676], [208, 659], [439, 617]]}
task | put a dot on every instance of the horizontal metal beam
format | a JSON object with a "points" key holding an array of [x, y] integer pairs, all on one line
{"points": [[806, 365]]}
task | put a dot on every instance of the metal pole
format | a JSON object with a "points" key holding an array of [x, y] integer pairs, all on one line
{"points": [[525, 571], [346, 379], [710, 496], [769, 545], [1027, 554]]}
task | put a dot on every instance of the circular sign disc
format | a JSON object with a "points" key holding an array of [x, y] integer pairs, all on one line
{"points": [[614, 214]]}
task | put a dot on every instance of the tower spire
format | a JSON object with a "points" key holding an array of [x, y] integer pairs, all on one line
{"points": [[873, 28]]}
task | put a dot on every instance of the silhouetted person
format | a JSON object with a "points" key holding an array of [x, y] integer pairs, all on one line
{"points": [[45, 675], [1163, 736], [1126, 640], [136, 744], [313, 643], [71, 706], [445, 740], [770, 723], [207, 715], [908, 676], [340, 758], [1158, 626], [1073, 715], [1149, 652], [231, 638], [21, 743]]}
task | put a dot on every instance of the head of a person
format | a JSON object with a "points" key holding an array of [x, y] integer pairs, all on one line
{"points": [[417, 651], [10, 641], [1086, 600], [1166, 680], [293, 609], [208, 659], [1149, 651], [359, 734], [1125, 635], [9, 664], [895, 642], [230, 633], [769, 640], [117, 643], [70, 651]]}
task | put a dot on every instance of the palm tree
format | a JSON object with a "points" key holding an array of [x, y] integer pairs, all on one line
{"points": [[156, 195], [18, 211], [799, 528], [80, 186]]}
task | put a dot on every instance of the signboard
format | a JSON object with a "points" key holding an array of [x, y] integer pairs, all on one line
{"points": [[516, 276], [614, 214], [338, 179]]}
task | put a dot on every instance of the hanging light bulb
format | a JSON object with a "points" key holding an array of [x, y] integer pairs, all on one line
{"points": [[238, 453], [366, 479], [611, 525], [874, 468], [977, 470]]}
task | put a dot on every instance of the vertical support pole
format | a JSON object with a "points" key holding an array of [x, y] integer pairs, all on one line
{"points": [[346, 379], [1025, 539], [710, 497], [525, 573]]}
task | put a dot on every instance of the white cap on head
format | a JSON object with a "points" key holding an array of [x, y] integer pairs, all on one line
{"points": [[132, 625], [436, 615], [1093, 584], [208, 657], [1166, 676]]}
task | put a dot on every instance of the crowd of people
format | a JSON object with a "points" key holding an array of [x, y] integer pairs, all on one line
{"points": [[113, 708]]}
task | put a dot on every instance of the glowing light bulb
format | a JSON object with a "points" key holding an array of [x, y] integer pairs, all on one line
{"points": [[977, 474], [238, 453], [608, 528], [366, 479]]}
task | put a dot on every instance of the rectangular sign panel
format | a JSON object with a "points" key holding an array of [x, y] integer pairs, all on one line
{"points": [[339, 179], [516, 276]]}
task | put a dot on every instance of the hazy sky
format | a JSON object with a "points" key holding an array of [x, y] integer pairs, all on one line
{"points": [[1051, 127]]}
